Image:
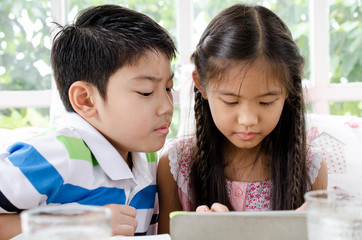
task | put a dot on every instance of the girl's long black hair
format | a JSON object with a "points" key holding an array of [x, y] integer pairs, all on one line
{"points": [[243, 33]]}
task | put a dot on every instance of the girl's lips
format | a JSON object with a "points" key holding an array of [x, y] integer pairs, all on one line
{"points": [[246, 136]]}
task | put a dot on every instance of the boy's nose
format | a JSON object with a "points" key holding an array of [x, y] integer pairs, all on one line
{"points": [[166, 105]]}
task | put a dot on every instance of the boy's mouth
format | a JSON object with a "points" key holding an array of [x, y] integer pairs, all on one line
{"points": [[164, 129]]}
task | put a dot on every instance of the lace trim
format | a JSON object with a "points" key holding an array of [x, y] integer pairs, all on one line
{"points": [[314, 159], [182, 182]]}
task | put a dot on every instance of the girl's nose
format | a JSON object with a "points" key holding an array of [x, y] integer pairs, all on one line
{"points": [[247, 116]]}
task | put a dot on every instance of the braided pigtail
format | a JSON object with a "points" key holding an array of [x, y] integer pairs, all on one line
{"points": [[207, 172], [199, 172], [298, 165], [288, 151]]}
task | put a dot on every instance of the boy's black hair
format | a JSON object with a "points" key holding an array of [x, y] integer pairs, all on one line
{"points": [[102, 40]]}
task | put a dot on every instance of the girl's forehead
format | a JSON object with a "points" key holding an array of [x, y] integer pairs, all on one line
{"points": [[243, 75]]}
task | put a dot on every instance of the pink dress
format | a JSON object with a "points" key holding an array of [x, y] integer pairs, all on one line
{"points": [[244, 196]]}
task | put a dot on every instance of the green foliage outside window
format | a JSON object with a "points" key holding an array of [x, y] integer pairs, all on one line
{"points": [[24, 57], [16, 118], [24, 45], [346, 41]]}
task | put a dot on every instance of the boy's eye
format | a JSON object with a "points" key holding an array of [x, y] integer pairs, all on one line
{"points": [[170, 89], [145, 94]]}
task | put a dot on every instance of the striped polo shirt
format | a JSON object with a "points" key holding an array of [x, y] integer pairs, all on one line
{"points": [[76, 163]]}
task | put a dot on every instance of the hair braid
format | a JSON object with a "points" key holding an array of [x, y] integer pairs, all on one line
{"points": [[292, 174], [299, 175], [199, 176], [207, 171]]}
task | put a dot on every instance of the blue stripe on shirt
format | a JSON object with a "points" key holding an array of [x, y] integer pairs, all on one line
{"points": [[44, 177], [47, 180], [145, 198], [99, 196]]}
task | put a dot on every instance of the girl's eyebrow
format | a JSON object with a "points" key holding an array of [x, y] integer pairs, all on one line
{"points": [[271, 93], [152, 78]]}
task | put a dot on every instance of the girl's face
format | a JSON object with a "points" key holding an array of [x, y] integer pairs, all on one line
{"points": [[246, 106]]}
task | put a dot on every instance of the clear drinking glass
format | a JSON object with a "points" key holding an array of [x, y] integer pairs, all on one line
{"points": [[67, 222], [333, 215]]}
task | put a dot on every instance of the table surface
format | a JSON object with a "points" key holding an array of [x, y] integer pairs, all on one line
{"points": [[150, 237]]}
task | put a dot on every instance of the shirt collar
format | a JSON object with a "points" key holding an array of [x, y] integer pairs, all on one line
{"points": [[107, 156], [141, 169]]}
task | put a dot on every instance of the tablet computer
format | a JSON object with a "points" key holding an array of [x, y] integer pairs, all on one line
{"points": [[278, 225]]}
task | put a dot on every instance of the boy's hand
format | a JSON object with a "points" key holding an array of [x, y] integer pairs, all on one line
{"points": [[215, 207], [9, 226], [123, 219]]}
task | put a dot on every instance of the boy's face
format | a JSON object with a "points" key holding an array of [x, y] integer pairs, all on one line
{"points": [[137, 111]]}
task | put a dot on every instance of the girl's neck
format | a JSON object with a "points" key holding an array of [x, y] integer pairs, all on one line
{"points": [[246, 165]]}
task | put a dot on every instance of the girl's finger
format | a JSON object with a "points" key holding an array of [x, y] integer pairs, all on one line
{"points": [[218, 207], [202, 208]]}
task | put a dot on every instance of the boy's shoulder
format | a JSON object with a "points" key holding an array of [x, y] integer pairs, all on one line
{"points": [[52, 134], [48, 142]]}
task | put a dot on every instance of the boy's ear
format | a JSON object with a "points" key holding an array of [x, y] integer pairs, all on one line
{"points": [[196, 79], [81, 96]]}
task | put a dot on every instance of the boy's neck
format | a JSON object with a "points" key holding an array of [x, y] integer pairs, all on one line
{"points": [[128, 160]]}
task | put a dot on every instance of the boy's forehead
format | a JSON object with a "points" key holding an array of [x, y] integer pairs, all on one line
{"points": [[149, 56], [151, 77], [153, 66]]}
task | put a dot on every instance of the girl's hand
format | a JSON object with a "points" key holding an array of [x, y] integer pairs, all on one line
{"points": [[303, 207], [216, 207], [123, 219]]}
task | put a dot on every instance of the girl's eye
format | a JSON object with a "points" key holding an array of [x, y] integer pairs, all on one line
{"points": [[230, 103], [266, 103], [145, 94]]}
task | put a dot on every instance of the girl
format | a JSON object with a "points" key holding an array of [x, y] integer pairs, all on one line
{"points": [[249, 151]]}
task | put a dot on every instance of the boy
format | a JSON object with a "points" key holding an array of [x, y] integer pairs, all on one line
{"points": [[112, 69]]}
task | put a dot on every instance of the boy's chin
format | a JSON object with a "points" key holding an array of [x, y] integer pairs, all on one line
{"points": [[153, 147]]}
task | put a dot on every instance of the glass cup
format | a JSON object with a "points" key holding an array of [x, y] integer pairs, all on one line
{"points": [[67, 222], [333, 215]]}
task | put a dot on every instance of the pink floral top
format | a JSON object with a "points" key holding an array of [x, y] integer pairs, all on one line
{"points": [[244, 196]]}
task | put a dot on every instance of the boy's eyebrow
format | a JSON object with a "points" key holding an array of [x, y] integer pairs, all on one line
{"points": [[152, 78], [271, 93]]}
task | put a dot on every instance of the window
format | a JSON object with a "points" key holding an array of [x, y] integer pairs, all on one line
{"points": [[24, 63], [336, 57], [328, 32]]}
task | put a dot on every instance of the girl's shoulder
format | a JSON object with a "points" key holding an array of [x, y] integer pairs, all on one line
{"points": [[180, 156], [180, 149], [313, 162]]}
